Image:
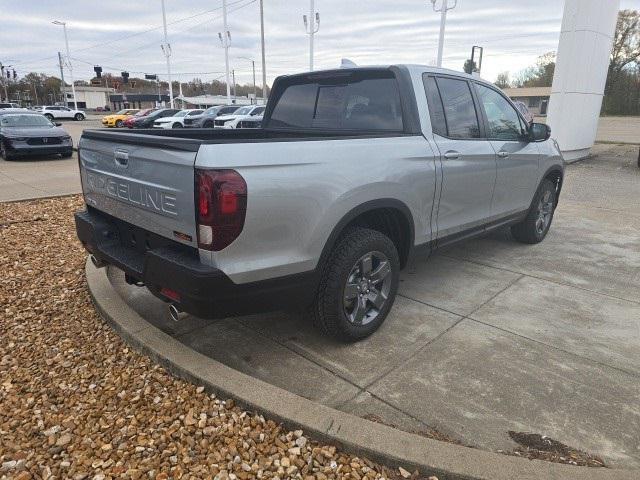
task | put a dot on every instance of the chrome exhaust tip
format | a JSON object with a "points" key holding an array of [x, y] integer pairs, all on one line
{"points": [[96, 263], [175, 313]]}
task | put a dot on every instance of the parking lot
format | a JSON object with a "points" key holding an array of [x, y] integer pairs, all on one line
{"points": [[486, 338]]}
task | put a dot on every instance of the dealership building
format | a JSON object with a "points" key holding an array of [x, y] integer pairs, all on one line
{"points": [[89, 97]]}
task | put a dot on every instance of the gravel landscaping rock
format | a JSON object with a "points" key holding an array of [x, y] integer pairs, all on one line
{"points": [[77, 403]]}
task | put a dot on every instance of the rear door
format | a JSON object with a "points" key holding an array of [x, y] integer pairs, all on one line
{"points": [[467, 159], [142, 179], [516, 157]]}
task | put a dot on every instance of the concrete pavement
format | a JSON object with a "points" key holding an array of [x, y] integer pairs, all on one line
{"points": [[485, 337]]}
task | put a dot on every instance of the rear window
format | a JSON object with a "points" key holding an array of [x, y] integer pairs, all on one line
{"points": [[351, 102]]}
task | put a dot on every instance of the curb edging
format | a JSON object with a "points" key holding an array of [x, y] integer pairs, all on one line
{"points": [[381, 443]]}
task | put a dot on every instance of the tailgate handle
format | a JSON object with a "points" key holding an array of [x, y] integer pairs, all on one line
{"points": [[121, 158]]}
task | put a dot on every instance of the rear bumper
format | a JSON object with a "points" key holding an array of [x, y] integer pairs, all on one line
{"points": [[204, 291]]}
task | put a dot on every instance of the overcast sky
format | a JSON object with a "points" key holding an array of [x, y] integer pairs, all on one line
{"points": [[125, 35]]}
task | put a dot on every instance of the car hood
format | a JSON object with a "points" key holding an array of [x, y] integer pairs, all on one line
{"points": [[228, 117], [34, 132], [169, 119]]}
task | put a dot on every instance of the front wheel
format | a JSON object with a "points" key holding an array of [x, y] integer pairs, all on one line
{"points": [[119, 123], [78, 116], [176, 125], [3, 152], [208, 125], [358, 285], [49, 116], [536, 224]]}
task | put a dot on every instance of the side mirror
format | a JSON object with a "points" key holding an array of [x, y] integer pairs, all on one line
{"points": [[539, 132]]}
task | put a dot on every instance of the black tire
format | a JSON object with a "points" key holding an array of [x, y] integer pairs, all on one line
{"points": [[3, 152], [78, 116], [531, 230], [67, 154], [49, 116], [329, 310], [119, 123], [208, 124], [176, 125]]}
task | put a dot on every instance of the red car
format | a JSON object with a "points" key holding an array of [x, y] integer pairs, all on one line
{"points": [[142, 113]]}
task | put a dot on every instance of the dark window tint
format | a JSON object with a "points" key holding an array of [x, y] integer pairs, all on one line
{"points": [[436, 112], [227, 110], [367, 104], [459, 110], [503, 120]]}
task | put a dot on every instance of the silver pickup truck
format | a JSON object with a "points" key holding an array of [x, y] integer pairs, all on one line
{"points": [[354, 173]]}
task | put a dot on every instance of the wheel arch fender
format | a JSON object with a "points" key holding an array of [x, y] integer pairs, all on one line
{"points": [[360, 210]]}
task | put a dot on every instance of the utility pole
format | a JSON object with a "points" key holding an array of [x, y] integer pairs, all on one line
{"points": [[264, 63], [166, 49], [69, 64], [233, 74], [311, 26], [253, 66], [225, 39], [62, 85], [4, 83], [443, 20]]}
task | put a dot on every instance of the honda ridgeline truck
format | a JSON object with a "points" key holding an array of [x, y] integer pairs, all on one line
{"points": [[354, 173]]}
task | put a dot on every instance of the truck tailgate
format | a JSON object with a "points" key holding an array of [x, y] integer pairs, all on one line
{"points": [[141, 181]]}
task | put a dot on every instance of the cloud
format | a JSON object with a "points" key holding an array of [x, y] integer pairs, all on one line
{"points": [[126, 35]]}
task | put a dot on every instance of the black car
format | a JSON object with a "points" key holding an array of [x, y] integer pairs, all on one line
{"points": [[206, 118], [147, 120], [23, 134]]}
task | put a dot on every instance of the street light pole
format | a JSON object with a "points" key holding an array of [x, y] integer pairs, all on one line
{"points": [[312, 25], [443, 20], [264, 63], [166, 49], [69, 64], [225, 39]]}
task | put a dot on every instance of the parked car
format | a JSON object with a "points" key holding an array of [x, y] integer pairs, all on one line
{"points": [[4, 105], [117, 119], [205, 120], [146, 121], [128, 122], [53, 112], [524, 110], [177, 120], [25, 133], [354, 174], [250, 122], [231, 121]]}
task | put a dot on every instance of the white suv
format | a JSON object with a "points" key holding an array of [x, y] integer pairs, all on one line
{"points": [[55, 112], [244, 113], [176, 120]]}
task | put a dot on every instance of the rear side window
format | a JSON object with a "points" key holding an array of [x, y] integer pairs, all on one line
{"points": [[459, 109], [362, 104], [436, 111]]}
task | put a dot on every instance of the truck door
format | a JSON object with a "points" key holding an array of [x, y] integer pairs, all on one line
{"points": [[468, 162], [516, 157]]}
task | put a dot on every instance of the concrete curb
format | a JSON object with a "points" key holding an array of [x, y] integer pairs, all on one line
{"points": [[378, 442]]}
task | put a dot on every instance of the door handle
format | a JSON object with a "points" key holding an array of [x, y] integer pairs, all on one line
{"points": [[503, 154], [451, 155]]}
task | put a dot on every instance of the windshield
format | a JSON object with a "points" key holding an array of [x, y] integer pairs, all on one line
{"points": [[122, 112], [182, 113], [243, 111], [24, 121], [211, 110]]}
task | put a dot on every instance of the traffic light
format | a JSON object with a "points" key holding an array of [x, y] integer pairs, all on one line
{"points": [[98, 71], [125, 77], [15, 75], [150, 77]]}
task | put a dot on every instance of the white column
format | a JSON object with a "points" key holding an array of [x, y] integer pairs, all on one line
{"points": [[586, 39]]}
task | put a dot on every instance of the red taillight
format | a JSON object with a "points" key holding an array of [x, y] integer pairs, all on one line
{"points": [[221, 197], [170, 294]]}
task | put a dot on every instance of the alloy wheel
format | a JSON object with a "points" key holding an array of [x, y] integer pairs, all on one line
{"points": [[367, 288], [545, 211]]}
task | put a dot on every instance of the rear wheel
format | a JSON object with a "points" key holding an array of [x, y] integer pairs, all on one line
{"points": [[358, 285], [78, 117], [536, 224], [119, 123]]}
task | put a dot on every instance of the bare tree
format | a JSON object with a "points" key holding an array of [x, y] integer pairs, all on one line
{"points": [[626, 46], [502, 80]]}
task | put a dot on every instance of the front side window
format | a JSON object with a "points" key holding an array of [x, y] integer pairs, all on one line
{"points": [[504, 121], [363, 103], [459, 110]]}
